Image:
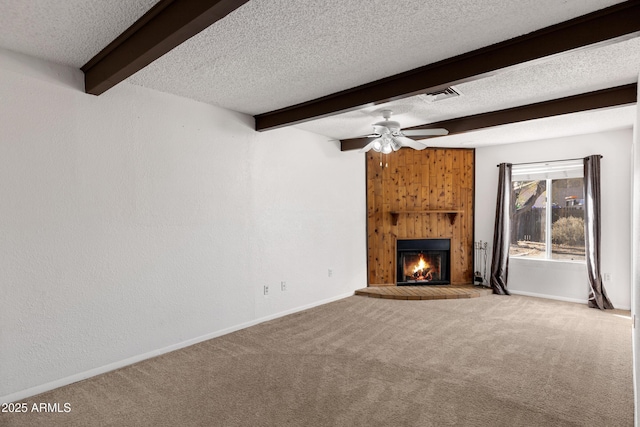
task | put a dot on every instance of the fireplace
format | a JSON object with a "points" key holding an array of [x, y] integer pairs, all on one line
{"points": [[423, 262]]}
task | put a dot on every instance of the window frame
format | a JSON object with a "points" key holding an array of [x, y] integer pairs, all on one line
{"points": [[548, 172]]}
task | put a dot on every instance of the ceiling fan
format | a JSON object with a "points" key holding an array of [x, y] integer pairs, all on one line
{"points": [[389, 137]]}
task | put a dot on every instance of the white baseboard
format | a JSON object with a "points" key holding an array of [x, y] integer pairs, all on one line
{"points": [[23, 394], [579, 301], [533, 294]]}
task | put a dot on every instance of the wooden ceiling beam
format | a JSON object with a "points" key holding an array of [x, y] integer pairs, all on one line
{"points": [[605, 98], [165, 26], [608, 25]]}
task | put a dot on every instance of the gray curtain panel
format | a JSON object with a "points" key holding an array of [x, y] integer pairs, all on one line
{"points": [[597, 294], [502, 233]]}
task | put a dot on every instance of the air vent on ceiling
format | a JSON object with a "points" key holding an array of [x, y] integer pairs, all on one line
{"points": [[440, 95]]}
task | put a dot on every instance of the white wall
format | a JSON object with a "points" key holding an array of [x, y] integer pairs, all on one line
{"points": [[566, 280], [635, 265], [138, 222]]}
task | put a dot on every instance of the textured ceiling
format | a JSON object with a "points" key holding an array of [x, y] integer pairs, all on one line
{"points": [[270, 54], [68, 32], [559, 76]]}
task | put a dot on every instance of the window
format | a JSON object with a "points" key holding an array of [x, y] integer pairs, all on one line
{"points": [[547, 220]]}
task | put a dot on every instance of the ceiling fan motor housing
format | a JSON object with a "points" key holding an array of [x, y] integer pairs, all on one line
{"points": [[387, 126]]}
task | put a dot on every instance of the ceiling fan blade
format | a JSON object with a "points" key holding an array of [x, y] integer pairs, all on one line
{"points": [[375, 143], [408, 142], [425, 132]]}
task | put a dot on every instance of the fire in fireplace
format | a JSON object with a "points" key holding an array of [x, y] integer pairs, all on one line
{"points": [[423, 262]]}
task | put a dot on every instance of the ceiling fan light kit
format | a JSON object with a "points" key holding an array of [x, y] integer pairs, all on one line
{"points": [[389, 137]]}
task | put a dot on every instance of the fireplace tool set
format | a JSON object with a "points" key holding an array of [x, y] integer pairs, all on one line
{"points": [[480, 277]]}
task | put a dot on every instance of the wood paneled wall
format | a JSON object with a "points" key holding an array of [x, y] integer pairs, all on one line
{"points": [[413, 182]]}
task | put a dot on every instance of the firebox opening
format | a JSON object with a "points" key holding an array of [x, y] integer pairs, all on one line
{"points": [[423, 262], [421, 267]]}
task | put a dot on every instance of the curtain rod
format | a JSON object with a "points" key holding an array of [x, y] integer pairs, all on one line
{"points": [[551, 161]]}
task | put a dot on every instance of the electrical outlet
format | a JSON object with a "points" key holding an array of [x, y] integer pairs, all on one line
{"points": [[330, 272], [283, 286], [607, 277], [266, 289]]}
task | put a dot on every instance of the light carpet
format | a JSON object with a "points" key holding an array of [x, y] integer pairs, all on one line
{"points": [[490, 361]]}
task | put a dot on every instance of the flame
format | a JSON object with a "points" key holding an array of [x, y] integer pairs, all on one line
{"points": [[422, 265]]}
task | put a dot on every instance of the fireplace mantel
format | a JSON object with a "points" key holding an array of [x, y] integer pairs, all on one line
{"points": [[449, 212]]}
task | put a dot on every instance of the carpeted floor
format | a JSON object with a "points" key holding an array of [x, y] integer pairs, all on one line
{"points": [[490, 361]]}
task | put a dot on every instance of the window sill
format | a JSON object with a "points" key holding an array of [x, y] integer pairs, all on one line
{"points": [[554, 261]]}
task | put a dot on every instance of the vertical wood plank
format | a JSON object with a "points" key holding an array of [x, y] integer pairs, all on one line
{"points": [[417, 203], [389, 195], [469, 210], [440, 201], [371, 232]]}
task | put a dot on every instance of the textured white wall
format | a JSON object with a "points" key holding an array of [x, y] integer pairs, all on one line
{"points": [[563, 280], [138, 222]]}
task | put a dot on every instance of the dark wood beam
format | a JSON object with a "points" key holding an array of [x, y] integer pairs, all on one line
{"points": [[595, 29], [165, 26], [605, 98]]}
